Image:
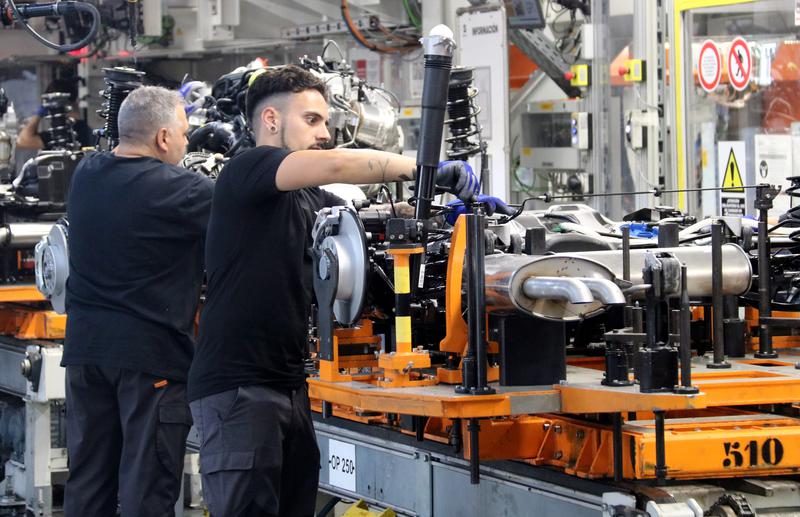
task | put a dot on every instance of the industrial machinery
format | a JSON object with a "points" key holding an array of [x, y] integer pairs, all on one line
{"points": [[571, 362], [360, 115], [551, 361]]}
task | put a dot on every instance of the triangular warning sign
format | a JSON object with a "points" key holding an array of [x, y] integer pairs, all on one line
{"points": [[732, 182]]}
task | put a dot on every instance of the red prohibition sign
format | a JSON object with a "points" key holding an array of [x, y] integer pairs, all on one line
{"points": [[709, 66], [740, 64]]}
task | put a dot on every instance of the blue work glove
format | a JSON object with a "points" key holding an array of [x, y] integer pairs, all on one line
{"points": [[493, 204], [457, 178], [41, 112]]}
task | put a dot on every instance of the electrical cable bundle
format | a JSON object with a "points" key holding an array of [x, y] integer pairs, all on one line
{"points": [[404, 42]]}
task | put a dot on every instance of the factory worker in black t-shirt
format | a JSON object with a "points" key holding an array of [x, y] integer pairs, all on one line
{"points": [[247, 388], [137, 225]]}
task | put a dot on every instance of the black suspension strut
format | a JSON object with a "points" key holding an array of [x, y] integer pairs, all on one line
{"points": [[462, 116], [120, 81], [60, 132]]}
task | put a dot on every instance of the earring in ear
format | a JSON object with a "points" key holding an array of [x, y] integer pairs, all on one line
{"points": [[274, 129]]}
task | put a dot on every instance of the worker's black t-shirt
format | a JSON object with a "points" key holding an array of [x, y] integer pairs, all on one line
{"points": [[253, 327], [136, 237]]}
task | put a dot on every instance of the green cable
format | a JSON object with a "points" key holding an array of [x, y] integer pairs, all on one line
{"points": [[411, 16]]}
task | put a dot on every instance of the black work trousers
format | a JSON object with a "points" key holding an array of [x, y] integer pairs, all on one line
{"points": [[126, 438], [259, 454]]}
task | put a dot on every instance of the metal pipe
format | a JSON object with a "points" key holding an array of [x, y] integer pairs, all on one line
{"points": [[637, 319], [651, 312], [477, 301], [604, 290], [557, 288], [626, 253], [474, 428], [716, 298], [419, 427], [661, 452], [23, 235], [685, 338], [617, 445], [763, 203], [455, 436]]}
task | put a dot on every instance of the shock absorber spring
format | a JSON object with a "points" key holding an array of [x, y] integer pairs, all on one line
{"points": [[462, 115], [61, 135], [120, 81]]}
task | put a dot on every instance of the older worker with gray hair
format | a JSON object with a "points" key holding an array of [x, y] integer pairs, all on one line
{"points": [[137, 225]]}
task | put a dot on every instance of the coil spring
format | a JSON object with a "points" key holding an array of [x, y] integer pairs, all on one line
{"points": [[462, 113], [120, 81], [61, 134]]}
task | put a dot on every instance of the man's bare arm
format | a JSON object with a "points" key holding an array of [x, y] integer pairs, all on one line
{"points": [[314, 168], [28, 137]]}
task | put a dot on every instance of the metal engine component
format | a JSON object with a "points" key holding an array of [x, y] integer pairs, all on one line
{"points": [[737, 272], [52, 266], [339, 230], [550, 286], [360, 115]]}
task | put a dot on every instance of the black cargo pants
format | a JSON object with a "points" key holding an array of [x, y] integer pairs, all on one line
{"points": [[259, 454], [126, 437]]}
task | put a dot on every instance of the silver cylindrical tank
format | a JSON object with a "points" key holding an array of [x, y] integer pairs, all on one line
{"points": [[23, 235], [737, 273], [506, 276]]}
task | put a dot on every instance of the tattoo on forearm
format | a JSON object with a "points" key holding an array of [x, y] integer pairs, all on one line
{"points": [[409, 176], [383, 166]]}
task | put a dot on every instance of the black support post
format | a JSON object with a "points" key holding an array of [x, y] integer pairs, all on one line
{"points": [[717, 306]]}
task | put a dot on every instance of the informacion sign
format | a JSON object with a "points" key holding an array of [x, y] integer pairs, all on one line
{"points": [[709, 66], [740, 64], [342, 465], [730, 160], [797, 12], [773, 164]]}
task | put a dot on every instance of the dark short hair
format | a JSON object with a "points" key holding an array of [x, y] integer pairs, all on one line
{"points": [[69, 86], [279, 80]]}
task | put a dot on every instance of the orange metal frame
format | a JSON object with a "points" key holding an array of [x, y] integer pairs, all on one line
{"points": [[22, 317], [561, 425]]}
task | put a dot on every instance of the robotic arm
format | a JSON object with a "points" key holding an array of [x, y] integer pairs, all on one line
{"points": [[10, 13]]}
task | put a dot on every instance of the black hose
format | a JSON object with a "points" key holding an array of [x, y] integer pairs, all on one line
{"points": [[75, 6]]}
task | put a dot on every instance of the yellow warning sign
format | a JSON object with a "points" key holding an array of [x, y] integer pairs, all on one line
{"points": [[732, 182]]}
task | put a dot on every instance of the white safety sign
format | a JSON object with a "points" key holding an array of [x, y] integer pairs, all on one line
{"points": [[709, 66], [740, 64]]}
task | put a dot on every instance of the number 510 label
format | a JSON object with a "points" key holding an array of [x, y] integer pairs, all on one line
{"points": [[752, 453], [342, 465]]}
